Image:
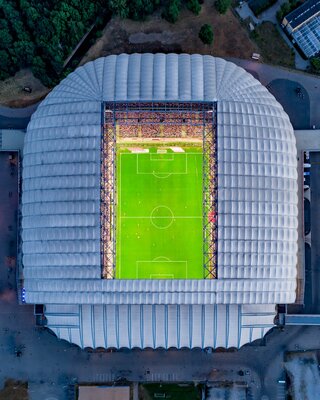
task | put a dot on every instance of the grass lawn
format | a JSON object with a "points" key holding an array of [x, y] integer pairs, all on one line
{"points": [[273, 48], [171, 391], [159, 215]]}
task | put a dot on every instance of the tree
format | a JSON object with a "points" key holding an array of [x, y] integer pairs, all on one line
{"points": [[315, 64], [38, 67], [4, 64], [194, 6], [284, 10], [172, 11], [22, 52], [5, 38], [206, 34], [119, 7], [222, 5], [139, 9]]}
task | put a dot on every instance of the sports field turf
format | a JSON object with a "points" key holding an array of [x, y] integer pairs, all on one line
{"points": [[159, 215]]}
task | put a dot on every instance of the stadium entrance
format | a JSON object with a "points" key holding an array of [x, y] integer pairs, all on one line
{"points": [[159, 190]]}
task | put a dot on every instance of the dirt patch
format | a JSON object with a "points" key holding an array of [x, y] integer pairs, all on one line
{"points": [[14, 390], [12, 94], [157, 35]]}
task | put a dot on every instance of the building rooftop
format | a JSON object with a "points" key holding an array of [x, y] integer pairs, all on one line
{"points": [[303, 13], [257, 203]]}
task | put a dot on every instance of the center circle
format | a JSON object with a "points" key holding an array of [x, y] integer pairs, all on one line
{"points": [[161, 217]]}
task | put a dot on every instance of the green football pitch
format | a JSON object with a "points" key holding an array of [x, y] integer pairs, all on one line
{"points": [[159, 215]]}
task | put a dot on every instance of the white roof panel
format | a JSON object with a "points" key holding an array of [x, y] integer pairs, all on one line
{"points": [[257, 184]]}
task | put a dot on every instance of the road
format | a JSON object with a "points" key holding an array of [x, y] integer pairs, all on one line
{"points": [[16, 118]]}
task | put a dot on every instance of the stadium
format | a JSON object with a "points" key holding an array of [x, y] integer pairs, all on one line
{"points": [[159, 205]]}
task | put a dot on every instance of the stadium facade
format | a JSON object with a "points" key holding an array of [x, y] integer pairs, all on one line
{"points": [[256, 199]]}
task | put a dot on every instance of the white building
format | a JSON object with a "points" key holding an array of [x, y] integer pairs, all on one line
{"points": [[257, 203]]}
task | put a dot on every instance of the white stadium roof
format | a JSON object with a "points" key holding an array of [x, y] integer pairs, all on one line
{"points": [[257, 206]]}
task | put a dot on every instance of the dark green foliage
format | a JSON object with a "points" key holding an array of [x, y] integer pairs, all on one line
{"points": [[315, 64], [6, 38], [41, 34], [139, 9], [222, 5], [22, 52], [194, 6], [286, 8], [257, 6], [206, 34], [119, 7], [135, 9], [5, 64], [172, 10]]}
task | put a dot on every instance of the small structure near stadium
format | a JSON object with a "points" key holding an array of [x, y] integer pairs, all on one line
{"points": [[70, 204], [303, 27]]}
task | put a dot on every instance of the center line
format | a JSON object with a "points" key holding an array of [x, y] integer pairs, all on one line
{"points": [[157, 217]]}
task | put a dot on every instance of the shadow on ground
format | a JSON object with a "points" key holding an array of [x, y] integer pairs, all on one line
{"points": [[296, 104]]}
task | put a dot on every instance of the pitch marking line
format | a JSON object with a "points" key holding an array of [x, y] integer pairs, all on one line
{"points": [[161, 156], [174, 154], [160, 261], [161, 174], [162, 276], [174, 217]]}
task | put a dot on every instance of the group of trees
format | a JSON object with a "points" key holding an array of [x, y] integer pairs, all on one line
{"points": [[134, 9], [139, 9], [42, 34]]}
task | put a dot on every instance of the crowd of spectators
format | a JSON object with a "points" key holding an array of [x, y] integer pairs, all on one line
{"points": [[159, 124]]}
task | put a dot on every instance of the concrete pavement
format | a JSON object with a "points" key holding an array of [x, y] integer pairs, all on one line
{"points": [[16, 118], [297, 106], [47, 362]]}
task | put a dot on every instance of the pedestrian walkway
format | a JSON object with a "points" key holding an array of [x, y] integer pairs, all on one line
{"points": [[244, 12], [11, 139], [308, 140], [135, 391]]}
